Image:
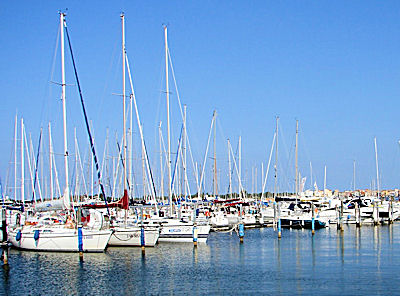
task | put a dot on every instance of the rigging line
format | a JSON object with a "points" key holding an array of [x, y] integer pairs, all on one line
{"points": [[110, 78], [269, 163], [1, 192], [176, 86], [10, 161], [140, 126], [241, 189], [82, 169], [86, 121], [115, 168], [185, 172], [205, 154], [284, 170], [52, 70], [160, 87], [180, 109], [177, 157], [122, 162], [36, 166], [151, 174]]}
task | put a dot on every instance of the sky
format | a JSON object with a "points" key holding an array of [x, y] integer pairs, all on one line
{"points": [[333, 66]]}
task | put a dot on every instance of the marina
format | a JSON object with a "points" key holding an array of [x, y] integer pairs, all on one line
{"points": [[358, 261], [202, 188]]}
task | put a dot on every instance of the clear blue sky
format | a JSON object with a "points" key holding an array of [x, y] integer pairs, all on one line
{"points": [[334, 66]]}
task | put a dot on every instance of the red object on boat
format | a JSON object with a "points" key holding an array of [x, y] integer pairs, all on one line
{"points": [[226, 200], [123, 203]]}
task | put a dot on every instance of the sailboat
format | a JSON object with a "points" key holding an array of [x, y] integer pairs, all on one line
{"points": [[173, 229], [53, 234], [300, 216], [126, 233]]}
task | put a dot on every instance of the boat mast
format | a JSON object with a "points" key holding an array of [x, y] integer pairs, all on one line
{"points": [[354, 176], [51, 164], [22, 164], [215, 158], [184, 153], [377, 169], [255, 179], [131, 146], [240, 163], [311, 177], [296, 165], [230, 171], [75, 186], [15, 156], [262, 175], [161, 163], [143, 171], [168, 122], [123, 99], [276, 158], [66, 192], [324, 180]]}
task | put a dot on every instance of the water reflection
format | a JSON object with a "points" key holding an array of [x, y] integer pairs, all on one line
{"points": [[340, 245], [263, 264], [5, 279], [313, 251], [390, 226]]}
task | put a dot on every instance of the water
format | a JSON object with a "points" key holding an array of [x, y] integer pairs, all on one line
{"points": [[358, 262]]}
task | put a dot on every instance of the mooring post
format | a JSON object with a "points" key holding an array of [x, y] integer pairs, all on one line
{"points": [[391, 210], [195, 230], [279, 220], [358, 215], [80, 241], [312, 219], [341, 214], [142, 238], [4, 243], [375, 213]]}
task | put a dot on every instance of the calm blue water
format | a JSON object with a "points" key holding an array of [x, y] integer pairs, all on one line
{"points": [[359, 262]]}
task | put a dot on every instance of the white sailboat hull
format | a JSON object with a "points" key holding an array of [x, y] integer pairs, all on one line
{"points": [[130, 237], [183, 233], [59, 239]]}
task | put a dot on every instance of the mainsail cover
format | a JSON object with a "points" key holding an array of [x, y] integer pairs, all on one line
{"points": [[123, 203]]}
